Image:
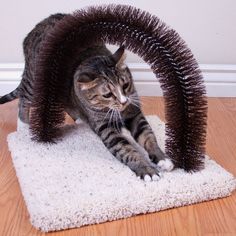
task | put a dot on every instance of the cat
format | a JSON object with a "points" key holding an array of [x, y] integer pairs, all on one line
{"points": [[103, 95]]}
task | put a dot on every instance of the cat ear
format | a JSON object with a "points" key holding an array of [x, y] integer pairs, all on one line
{"points": [[83, 78], [119, 56], [84, 82]]}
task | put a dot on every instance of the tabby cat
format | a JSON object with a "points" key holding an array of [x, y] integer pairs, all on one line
{"points": [[102, 94]]}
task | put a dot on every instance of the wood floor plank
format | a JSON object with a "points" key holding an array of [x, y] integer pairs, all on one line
{"points": [[216, 217]]}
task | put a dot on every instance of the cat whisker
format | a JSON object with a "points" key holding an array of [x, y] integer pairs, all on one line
{"points": [[115, 123], [117, 120], [121, 119], [110, 109], [135, 103], [111, 118], [135, 98]]}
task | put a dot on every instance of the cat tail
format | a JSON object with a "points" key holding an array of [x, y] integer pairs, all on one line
{"points": [[10, 96]]}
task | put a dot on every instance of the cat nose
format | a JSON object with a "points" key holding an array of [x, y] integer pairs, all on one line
{"points": [[123, 99]]}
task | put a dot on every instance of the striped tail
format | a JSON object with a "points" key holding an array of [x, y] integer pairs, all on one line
{"points": [[9, 97]]}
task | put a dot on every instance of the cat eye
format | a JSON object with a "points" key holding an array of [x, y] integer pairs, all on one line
{"points": [[108, 95], [126, 85]]}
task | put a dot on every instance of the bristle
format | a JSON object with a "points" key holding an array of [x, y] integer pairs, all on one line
{"points": [[159, 46]]}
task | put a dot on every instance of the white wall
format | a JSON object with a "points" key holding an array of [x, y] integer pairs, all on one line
{"points": [[208, 26]]}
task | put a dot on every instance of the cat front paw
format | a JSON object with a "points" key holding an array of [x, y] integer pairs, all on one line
{"points": [[165, 165], [146, 172]]}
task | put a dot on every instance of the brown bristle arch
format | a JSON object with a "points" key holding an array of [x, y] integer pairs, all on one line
{"points": [[158, 45]]}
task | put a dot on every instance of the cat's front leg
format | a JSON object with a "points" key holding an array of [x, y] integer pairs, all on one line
{"points": [[124, 151], [143, 134]]}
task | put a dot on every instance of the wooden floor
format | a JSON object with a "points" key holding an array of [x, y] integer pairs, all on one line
{"points": [[216, 217]]}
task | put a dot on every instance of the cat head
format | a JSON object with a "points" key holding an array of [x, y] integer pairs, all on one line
{"points": [[105, 82]]}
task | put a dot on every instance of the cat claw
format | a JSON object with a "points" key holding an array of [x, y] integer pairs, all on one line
{"points": [[156, 177], [148, 178]]}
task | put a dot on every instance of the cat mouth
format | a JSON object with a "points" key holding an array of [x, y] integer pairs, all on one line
{"points": [[124, 106]]}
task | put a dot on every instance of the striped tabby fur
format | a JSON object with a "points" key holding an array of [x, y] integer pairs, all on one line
{"points": [[102, 93]]}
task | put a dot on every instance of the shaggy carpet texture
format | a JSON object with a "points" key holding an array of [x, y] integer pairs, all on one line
{"points": [[78, 182]]}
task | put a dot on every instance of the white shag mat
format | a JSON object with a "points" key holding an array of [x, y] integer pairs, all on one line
{"points": [[78, 182]]}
